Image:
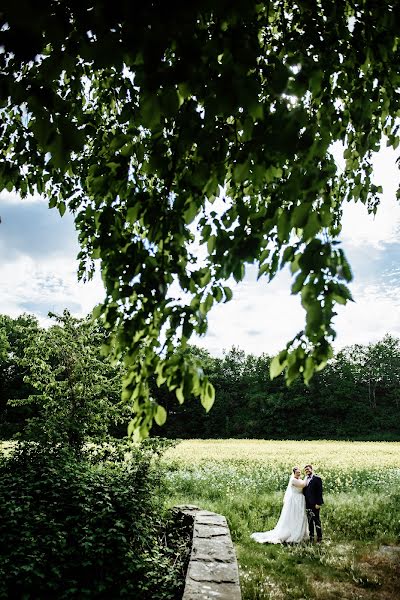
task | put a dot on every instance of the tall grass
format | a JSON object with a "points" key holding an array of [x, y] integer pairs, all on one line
{"points": [[245, 481]]}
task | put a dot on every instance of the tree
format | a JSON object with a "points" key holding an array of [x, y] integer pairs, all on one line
{"points": [[76, 389], [15, 335], [377, 366], [137, 116]]}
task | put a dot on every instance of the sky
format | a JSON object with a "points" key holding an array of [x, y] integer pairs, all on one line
{"points": [[38, 269]]}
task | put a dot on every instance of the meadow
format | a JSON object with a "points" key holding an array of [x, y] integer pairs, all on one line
{"points": [[245, 480]]}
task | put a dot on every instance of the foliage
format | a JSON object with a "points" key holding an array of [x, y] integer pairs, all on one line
{"points": [[73, 529], [137, 117], [336, 404], [377, 366], [245, 480], [75, 389], [15, 335]]}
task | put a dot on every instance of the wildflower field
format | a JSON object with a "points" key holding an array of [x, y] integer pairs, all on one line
{"points": [[245, 480]]}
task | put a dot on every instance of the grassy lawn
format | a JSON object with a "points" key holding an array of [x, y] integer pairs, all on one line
{"points": [[245, 480]]}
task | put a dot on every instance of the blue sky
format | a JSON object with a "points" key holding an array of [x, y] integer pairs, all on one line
{"points": [[38, 274]]}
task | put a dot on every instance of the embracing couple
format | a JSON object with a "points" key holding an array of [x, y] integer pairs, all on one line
{"points": [[299, 520]]}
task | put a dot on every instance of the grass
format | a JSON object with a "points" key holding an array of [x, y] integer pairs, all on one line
{"points": [[245, 480]]}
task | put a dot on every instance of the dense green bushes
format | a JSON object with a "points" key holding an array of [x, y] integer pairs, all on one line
{"points": [[88, 528]]}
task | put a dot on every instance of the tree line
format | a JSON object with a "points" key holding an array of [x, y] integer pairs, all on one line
{"points": [[58, 384]]}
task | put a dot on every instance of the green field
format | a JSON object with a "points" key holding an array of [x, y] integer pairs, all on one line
{"points": [[245, 480]]}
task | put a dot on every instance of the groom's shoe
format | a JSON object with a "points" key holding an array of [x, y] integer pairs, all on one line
{"points": [[319, 540]]}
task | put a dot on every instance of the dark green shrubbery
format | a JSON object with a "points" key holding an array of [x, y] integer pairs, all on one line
{"points": [[87, 528]]}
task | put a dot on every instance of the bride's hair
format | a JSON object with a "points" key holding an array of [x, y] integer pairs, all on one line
{"points": [[295, 469]]}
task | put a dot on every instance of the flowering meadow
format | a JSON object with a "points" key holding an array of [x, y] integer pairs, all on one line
{"points": [[245, 480], [254, 466]]}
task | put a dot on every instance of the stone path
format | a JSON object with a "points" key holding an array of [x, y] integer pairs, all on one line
{"points": [[212, 572]]}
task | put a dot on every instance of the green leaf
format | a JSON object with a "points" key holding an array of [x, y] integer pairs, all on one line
{"points": [[217, 293], [299, 282], [300, 215], [277, 365], [209, 301], [208, 396], [238, 272], [126, 395], [187, 329], [211, 188], [211, 243], [179, 395], [228, 293], [205, 276], [308, 295], [132, 213], [241, 172], [206, 232], [184, 91], [150, 111], [308, 370], [61, 208], [105, 349], [283, 226], [339, 299], [263, 269], [312, 227], [190, 212], [97, 311], [264, 255], [294, 265], [257, 111], [160, 415], [314, 316], [131, 428]]}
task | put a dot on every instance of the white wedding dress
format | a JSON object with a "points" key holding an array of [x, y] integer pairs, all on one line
{"points": [[292, 525]]}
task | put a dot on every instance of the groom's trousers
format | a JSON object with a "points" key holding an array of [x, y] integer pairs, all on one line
{"points": [[314, 523]]}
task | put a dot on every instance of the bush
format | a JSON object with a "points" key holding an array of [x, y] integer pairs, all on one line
{"points": [[83, 528]]}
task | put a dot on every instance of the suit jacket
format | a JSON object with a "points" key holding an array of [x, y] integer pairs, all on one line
{"points": [[313, 492]]}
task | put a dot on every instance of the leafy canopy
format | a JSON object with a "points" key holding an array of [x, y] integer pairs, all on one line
{"points": [[75, 389], [136, 116]]}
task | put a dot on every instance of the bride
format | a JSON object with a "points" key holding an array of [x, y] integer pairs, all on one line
{"points": [[292, 525]]}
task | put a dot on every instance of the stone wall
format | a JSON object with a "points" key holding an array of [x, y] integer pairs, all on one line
{"points": [[212, 572]]}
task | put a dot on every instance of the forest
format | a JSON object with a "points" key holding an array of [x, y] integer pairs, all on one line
{"points": [[57, 385]]}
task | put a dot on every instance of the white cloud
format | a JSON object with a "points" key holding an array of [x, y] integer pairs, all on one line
{"points": [[375, 313], [28, 285], [262, 317], [13, 198], [363, 229]]}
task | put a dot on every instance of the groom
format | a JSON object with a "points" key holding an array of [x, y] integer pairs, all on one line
{"points": [[314, 500]]}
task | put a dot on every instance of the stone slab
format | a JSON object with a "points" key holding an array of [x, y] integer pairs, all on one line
{"points": [[209, 531], [212, 572], [206, 591], [215, 549], [210, 519]]}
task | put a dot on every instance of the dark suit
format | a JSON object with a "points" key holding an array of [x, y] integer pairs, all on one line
{"points": [[313, 495]]}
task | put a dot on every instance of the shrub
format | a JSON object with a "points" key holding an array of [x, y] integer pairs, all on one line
{"points": [[82, 528]]}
